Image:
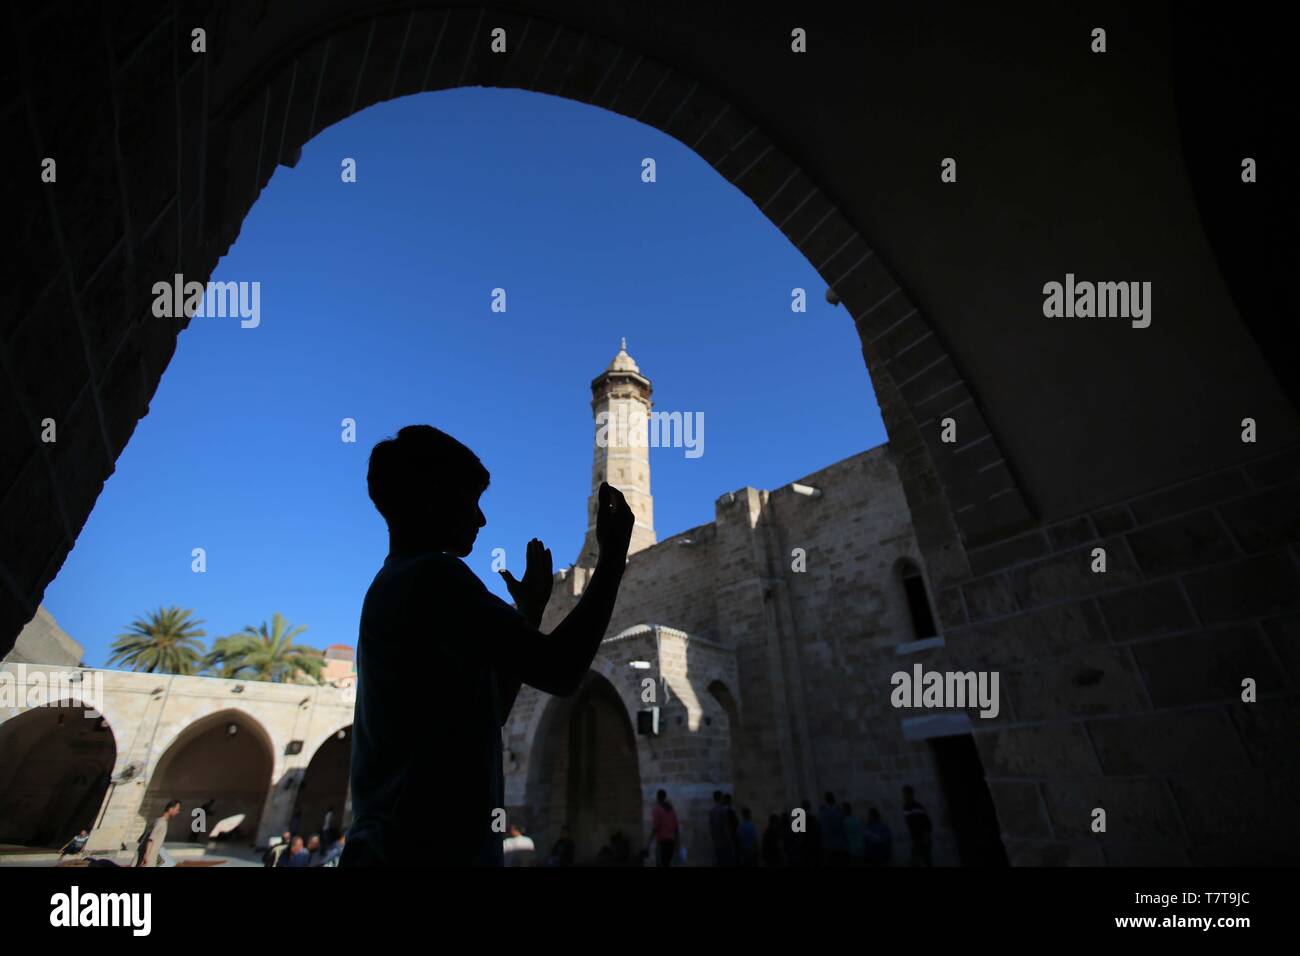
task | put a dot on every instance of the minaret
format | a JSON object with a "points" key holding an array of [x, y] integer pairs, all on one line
{"points": [[620, 406]]}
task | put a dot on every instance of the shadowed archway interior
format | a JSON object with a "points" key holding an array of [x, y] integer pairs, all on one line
{"points": [[55, 767], [584, 773], [221, 763], [324, 788]]}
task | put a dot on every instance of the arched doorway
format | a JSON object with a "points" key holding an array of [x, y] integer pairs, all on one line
{"points": [[221, 763], [324, 787], [55, 765], [970, 804], [585, 774]]}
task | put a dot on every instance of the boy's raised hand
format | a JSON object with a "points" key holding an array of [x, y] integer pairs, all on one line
{"points": [[614, 522], [534, 591]]}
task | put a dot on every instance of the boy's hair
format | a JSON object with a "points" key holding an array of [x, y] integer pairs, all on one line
{"points": [[421, 461]]}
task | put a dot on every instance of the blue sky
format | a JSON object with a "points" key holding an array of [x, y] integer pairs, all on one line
{"points": [[375, 305]]}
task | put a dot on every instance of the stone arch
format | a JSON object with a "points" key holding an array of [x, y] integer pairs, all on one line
{"points": [[605, 669], [56, 764], [243, 115], [914, 589], [205, 762], [347, 66], [729, 736], [324, 785], [585, 769], [343, 728]]}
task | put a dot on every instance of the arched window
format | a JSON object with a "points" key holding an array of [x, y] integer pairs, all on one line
{"points": [[918, 601]]}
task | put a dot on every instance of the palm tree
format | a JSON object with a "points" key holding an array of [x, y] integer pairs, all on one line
{"points": [[265, 654], [164, 641]]}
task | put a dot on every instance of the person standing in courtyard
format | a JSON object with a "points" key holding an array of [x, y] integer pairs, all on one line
{"points": [[831, 822], [315, 851], [297, 856], [918, 827], [331, 857], [426, 603], [747, 839], [733, 829], [563, 851], [720, 832], [518, 848], [774, 841], [663, 827], [854, 842], [151, 841], [273, 852], [879, 842]]}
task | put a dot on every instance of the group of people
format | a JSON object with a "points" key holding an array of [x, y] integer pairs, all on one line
{"points": [[832, 836], [291, 850]]}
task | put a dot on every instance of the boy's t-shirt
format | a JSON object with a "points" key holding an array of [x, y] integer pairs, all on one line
{"points": [[426, 744]]}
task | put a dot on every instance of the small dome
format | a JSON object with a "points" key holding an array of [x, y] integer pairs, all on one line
{"points": [[622, 362]]}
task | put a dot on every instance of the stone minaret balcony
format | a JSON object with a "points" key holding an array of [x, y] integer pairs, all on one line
{"points": [[620, 405]]}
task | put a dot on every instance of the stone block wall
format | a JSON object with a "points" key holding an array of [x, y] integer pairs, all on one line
{"points": [[802, 657], [1123, 689]]}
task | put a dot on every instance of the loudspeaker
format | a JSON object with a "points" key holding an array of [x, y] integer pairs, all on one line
{"points": [[647, 722]]}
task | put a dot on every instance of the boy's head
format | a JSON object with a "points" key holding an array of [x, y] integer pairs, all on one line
{"points": [[427, 485]]}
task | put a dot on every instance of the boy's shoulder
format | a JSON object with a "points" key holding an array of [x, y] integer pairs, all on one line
{"points": [[427, 567]]}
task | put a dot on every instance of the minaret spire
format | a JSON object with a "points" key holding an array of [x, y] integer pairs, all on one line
{"points": [[620, 406]]}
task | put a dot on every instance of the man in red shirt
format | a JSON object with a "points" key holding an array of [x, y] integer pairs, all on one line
{"points": [[663, 824]]}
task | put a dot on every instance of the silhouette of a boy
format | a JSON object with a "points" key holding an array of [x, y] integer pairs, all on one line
{"points": [[440, 659]]}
